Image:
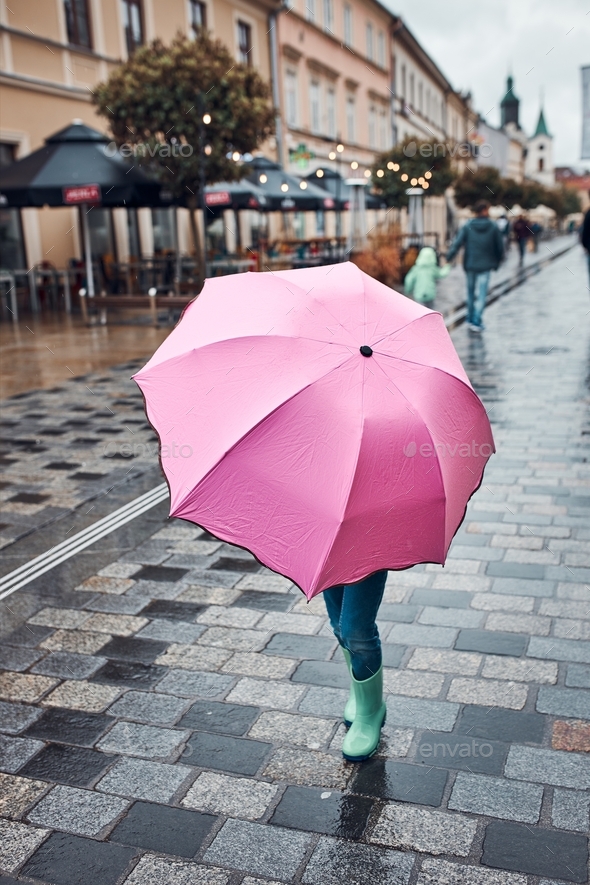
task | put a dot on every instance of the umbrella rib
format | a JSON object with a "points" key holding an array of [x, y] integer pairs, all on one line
{"points": [[427, 366]]}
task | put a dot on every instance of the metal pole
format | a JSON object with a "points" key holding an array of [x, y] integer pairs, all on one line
{"points": [[87, 250], [67, 291], [202, 182], [276, 95]]}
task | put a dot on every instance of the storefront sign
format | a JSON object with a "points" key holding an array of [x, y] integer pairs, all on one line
{"points": [[218, 198], [328, 203], [88, 193]]}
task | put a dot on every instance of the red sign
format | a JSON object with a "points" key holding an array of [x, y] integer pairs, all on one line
{"points": [[217, 198], [88, 193], [328, 203]]}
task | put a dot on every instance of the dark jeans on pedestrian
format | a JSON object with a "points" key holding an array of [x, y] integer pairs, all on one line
{"points": [[352, 609], [521, 249], [477, 293]]}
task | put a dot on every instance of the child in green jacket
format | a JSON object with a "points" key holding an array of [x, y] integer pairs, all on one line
{"points": [[421, 279]]}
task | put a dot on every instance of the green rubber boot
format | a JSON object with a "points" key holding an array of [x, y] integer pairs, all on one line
{"points": [[350, 708], [362, 739]]}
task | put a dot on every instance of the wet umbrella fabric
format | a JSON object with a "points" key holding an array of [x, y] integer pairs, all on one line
{"points": [[318, 419]]}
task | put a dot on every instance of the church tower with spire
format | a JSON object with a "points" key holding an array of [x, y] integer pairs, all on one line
{"points": [[510, 105], [539, 158]]}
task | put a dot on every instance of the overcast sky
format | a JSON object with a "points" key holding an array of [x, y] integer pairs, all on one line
{"points": [[476, 44]]}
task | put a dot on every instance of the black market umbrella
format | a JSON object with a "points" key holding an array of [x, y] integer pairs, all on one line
{"points": [[285, 192], [234, 195], [79, 166], [332, 182]]}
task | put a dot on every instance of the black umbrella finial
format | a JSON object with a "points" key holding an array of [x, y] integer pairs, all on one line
{"points": [[366, 350]]}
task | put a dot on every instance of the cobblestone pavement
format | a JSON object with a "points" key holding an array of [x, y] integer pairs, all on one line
{"points": [[170, 710]]}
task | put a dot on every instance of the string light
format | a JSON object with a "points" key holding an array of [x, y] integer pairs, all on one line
{"points": [[421, 180], [380, 173], [354, 165], [320, 173], [303, 185], [235, 156], [332, 155], [425, 185], [284, 187], [428, 175], [414, 182], [207, 119], [404, 177], [339, 148], [367, 173], [208, 149], [263, 178], [396, 167], [390, 165]]}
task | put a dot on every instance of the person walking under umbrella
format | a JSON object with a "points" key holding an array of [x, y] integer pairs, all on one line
{"points": [[483, 252], [522, 232]]}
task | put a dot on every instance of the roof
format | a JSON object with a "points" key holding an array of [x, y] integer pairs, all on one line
{"points": [[541, 126], [402, 32], [510, 97]]}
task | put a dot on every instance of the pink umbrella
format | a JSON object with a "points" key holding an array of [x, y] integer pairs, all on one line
{"points": [[318, 419]]}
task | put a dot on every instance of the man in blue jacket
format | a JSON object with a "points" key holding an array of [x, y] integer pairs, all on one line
{"points": [[483, 252]]}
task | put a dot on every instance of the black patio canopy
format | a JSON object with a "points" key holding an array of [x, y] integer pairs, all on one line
{"points": [[332, 182], [285, 192]]}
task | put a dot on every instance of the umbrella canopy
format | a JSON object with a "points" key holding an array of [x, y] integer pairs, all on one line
{"points": [[332, 181], [79, 165], [285, 192], [234, 195], [320, 420]]}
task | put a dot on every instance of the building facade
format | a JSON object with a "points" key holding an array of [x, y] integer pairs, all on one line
{"points": [[52, 54]]}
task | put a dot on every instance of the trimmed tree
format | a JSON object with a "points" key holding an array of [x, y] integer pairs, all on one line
{"points": [[392, 172], [483, 184], [156, 103]]}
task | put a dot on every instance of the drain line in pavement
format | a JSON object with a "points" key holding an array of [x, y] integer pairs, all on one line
{"points": [[78, 542]]}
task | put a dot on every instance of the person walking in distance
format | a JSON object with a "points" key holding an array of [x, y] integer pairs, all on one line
{"points": [[522, 232], [585, 236], [483, 252], [505, 230]]}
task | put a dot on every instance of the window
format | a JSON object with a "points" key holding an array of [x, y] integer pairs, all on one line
{"points": [[420, 97], [369, 41], [428, 105], [383, 140], [244, 43], [372, 126], [314, 104], [541, 164], [291, 102], [381, 49], [310, 10], [78, 22], [412, 91], [328, 16], [347, 25], [350, 119], [11, 234], [198, 15], [403, 84], [132, 24], [331, 112]]}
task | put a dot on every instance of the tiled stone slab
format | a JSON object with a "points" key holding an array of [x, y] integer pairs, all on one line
{"points": [[220, 596], [523, 587], [221, 616], [171, 631], [222, 718], [77, 811], [389, 779], [500, 602], [264, 600], [173, 610], [300, 731], [417, 634], [59, 617], [279, 622], [154, 870], [461, 751], [421, 713], [253, 664], [66, 665], [120, 570], [166, 830], [150, 708], [140, 779], [67, 860], [14, 752], [451, 617], [519, 669], [122, 605], [193, 657], [571, 702], [16, 717], [75, 766], [236, 797], [416, 829], [441, 597], [491, 642], [413, 684], [466, 663], [442, 872], [18, 793], [571, 810], [334, 861], [549, 767], [404, 614], [307, 767], [233, 638], [131, 739], [18, 659], [518, 623], [118, 625], [578, 676], [106, 584], [22, 687], [27, 635], [192, 684], [258, 849], [82, 695], [323, 811], [537, 851], [559, 649], [495, 723], [69, 726], [294, 645], [496, 797], [324, 701], [278, 695], [17, 842], [488, 692], [226, 753], [571, 736], [77, 641]]}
